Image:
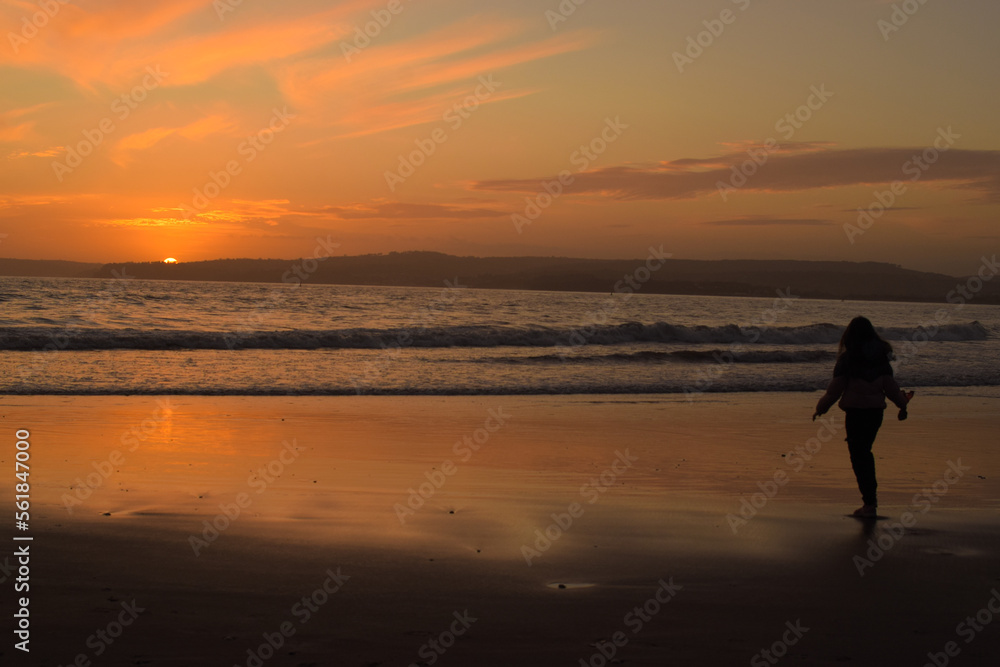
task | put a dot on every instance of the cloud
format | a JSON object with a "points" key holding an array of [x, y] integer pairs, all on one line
{"points": [[151, 222], [293, 54], [47, 152], [16, 124], [752, 221], [894, 208], [416, 79], [403, 211], [784, 171], [195, 130], [14, 133], [271, 211], [107, 43], [20, 202]]}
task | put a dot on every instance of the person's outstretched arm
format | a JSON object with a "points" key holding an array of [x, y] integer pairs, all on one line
{"points": [[833, 392], [894, 393]]}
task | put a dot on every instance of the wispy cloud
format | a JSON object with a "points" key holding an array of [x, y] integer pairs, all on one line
{"points": [[23, 201], [752, 221], [14, 133], [46, 152], [976, 170], [292, 56], [416, 79], [234, 214], [105, 44], [152, 222], [195, 130], [403, 211]]}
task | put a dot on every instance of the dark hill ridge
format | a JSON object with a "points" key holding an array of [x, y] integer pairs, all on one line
{"points": [[807, 279], [46, 268]]}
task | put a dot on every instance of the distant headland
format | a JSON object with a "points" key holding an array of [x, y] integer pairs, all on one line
{"points": [[806, 279]]}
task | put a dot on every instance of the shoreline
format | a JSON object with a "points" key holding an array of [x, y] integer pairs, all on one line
{"points": [[688, 277]]}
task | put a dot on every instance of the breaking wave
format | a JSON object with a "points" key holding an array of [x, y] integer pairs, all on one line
{"points": [[78, 338]]}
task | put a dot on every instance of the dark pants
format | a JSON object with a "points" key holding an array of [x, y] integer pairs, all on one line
{"points": [[862, 426]]}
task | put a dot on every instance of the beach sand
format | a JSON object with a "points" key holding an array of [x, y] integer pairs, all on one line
{"points": [[684, 532]]}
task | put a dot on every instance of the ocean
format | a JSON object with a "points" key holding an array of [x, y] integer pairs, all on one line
{"points": [[129, 336]]}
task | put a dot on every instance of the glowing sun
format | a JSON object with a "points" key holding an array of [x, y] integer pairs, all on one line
{"points": [[170, 260]]}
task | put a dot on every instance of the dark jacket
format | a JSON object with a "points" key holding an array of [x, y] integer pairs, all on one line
{"points": [[865, 383]]}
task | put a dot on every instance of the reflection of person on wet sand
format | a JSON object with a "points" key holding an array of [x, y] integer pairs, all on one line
{"points": [[862, 379]]}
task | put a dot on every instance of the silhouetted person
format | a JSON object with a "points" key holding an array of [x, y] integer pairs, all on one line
{"points": [[862, 379]]}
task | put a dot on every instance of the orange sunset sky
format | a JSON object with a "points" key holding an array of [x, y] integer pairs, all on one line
{"points": [[133, 130]]}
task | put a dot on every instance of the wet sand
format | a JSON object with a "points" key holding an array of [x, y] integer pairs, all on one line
{"points": [[539, 531]]}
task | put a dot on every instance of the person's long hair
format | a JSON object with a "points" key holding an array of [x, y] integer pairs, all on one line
{"points": [[862, 349]]}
